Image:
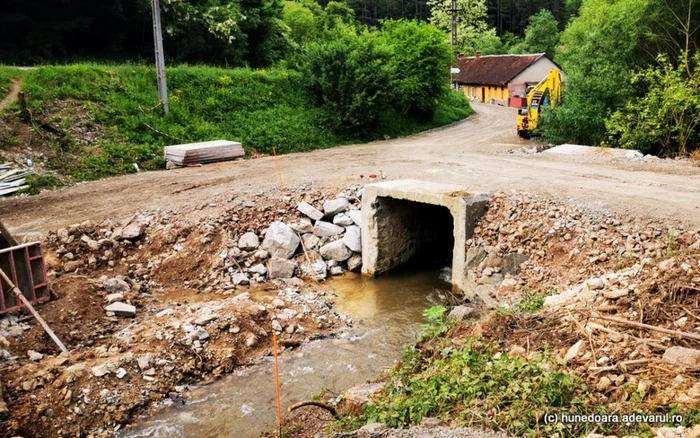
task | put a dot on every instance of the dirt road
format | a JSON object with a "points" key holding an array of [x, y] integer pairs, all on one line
{"points": [[468, 153]]}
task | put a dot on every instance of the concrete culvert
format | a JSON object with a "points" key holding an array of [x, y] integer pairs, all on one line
{"points": [[408, 221]]}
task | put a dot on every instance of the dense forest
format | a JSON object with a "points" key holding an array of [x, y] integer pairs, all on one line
{"points": [[630, 64]]}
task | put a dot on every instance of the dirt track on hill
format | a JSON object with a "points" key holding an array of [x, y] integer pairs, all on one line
{"points": [[470, 153]]}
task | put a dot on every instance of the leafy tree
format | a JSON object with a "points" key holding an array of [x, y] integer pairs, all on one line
{"points": [[601, 47], [302, 19], [338, 12], [349, 78], [542, 34], [473, 31], [419, 58], [666, 119]]}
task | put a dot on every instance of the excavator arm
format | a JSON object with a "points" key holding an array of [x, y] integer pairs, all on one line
{"points": [[545, 94]]}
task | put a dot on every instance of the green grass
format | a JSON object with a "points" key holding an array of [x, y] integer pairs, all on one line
{"points": [[475, 382], [261, 109], [7, 74]]}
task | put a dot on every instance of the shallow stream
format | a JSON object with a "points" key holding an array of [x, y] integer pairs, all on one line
{"points": [[387, 313]]}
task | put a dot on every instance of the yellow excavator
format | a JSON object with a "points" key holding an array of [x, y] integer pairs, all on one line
{"points": [[545, 94]]}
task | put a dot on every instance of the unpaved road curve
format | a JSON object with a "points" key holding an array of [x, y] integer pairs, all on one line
{"points": [[468, 153]]}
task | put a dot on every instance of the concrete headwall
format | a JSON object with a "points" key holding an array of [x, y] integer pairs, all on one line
{"points": [[401, 218]]}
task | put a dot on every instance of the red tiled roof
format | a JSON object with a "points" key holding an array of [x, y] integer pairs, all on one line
{"points": [[494, 69]]}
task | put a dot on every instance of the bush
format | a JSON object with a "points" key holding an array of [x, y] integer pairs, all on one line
{"points": [[348, 77], [666, 119], [419, 59]]}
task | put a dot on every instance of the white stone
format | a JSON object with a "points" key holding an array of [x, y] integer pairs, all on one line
{"points": [[336, 270], [258, 269], [342, 220], [144, 361], [575, 350], [356, 216], [335, 250], [355, 263], [249, 241], [353, 239], [122, 309], [335, 206], [34, 355], [595, 283], [681, 356], [303, 226], [280, 268], [309, 210], [205, 319], [121, 373], [240, 279], [165, 312], [100, 370], [327, 229], [310, 241], [276, 326], [111, 298], [115, 285], [280, 240]]}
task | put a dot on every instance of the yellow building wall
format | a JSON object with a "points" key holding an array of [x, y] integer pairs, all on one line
{"points": [[489, 92]]}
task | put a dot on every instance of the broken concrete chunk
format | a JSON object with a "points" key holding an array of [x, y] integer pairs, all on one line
{"points": [[122, 309], [115, 285], [352, 238], [335, 206], [327, 229], [681, 356], [335, 250], [280, 268], [309, 210], [248, 242], [280, 240]]}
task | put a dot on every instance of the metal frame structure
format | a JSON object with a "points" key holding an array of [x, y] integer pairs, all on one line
{"points": [[25, 266]]}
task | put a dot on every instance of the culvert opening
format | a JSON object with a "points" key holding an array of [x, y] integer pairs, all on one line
{"points": [[413, 235]]}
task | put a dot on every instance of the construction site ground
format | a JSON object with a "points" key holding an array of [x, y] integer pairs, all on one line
{"points": [[170, 244], [472, 153]]}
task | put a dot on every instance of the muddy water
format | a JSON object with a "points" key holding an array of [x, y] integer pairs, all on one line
{"points": [[387, 315]]}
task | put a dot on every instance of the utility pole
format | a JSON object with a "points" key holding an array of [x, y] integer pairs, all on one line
{"points": [[453, 82], [160, 57]]}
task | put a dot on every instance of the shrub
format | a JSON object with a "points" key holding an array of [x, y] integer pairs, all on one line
{"points": [[419, 59], [348, 77]]}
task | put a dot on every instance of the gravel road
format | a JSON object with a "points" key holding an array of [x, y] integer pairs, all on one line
{"points": [[470, 153]]}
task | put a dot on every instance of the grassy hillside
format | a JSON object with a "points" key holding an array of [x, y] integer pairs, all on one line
{"points": [[93, 121]]}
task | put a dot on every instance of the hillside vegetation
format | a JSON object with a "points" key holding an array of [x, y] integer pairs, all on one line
{"points": [[92, 121]]}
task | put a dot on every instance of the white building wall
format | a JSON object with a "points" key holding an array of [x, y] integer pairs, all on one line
{"points": [[536, 72]]}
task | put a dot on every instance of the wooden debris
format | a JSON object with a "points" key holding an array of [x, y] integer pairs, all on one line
{"points": [[204, 152]]}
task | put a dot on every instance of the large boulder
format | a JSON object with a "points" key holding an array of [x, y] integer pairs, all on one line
{"points": [[352, 238], [335, 206], [335, 250], [327, 229], [278, 267], [280, 240], [249, 241]]}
